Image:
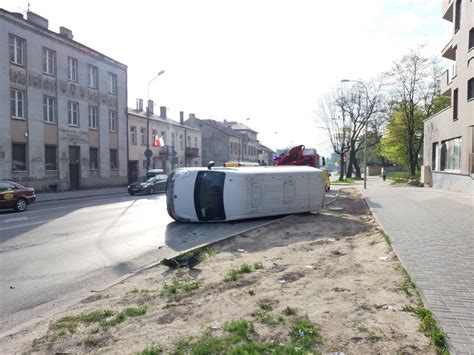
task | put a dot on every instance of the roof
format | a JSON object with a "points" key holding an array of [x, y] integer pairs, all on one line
{"points": [[58, 37], [220, 126], [156, 118], [240, 127]]}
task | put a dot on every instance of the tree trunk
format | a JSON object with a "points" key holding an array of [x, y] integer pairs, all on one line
{"points": [[341, 161]]}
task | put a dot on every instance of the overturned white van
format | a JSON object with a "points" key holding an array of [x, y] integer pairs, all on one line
{"points": [[226, 194]]}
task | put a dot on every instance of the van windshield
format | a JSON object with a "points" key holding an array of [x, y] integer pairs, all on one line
{"points": [[209, 196]]}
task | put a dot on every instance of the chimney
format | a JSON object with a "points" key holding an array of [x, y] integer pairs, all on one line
{"points": [[139, 105], [37, 19], [150, 107], [181, 117], [65, 32], [162, 111], [192, 115]]}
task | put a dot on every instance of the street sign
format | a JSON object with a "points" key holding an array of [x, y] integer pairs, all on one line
{"points": [[148, 153]]}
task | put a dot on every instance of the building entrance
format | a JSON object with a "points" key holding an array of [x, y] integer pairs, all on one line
{"points": [[74, 169]]}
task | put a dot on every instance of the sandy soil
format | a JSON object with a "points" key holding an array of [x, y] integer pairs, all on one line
{"points": [[334, 267]]}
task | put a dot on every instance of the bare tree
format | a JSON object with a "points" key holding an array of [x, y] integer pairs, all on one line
{"points": [[336, 124], [415, 84], [344, 114]]}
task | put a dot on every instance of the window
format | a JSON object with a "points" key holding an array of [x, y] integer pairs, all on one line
{"points": [[195, 142], [93, 158], [143, 136], [457, 16], [49, 109], [455, 104], [209, 195], [15, 46], [72, 69], [50, 157], [434, 156], [18, 157], [188, 142], [93, 117], [49, 61], [173, 140], [93, 77], [133, 135], [470, 89], [17, 103], [181, 142], [112, 83], [113, 159], [451, 154], [471, 39], [73, 113], [112, 121]]}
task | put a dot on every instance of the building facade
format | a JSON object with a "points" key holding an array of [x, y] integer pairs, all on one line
{"points": [[227, 141], [62, 109], [181, 143], [449, 135]]}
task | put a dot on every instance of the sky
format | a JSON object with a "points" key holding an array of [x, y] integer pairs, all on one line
{"points": [[265, 63]]}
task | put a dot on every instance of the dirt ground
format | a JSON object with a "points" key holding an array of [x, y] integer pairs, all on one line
{"points": [[333, 269]]}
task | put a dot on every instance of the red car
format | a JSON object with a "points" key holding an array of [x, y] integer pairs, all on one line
{"points": [[15, 196]]}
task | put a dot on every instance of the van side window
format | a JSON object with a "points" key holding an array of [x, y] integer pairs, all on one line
{"points": [[209, 196]]}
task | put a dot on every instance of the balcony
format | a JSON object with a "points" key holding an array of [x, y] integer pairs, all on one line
{"points": [[166, 151], [449, 51], [448, 10], [445, 82], [192, 152]]}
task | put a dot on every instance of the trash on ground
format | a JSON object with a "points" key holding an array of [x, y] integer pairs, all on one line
{"points": [[282, 281], [383, 258], [215, 327], [336, 208], [182, 261], [241, 250]]}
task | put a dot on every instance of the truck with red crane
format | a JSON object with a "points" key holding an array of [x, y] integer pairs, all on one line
{"points": [[300, 155]]}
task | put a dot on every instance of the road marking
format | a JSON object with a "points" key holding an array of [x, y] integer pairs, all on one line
{"points": [[21, 226], [15, 219]]}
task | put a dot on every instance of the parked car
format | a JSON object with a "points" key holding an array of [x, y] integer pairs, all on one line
{"points": [[15, 196], [226, 194], [148, 185]]}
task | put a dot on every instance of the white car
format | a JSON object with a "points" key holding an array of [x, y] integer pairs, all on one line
{"points": [[226, 194]]}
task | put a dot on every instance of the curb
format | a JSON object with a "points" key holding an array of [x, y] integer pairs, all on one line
{"points": [[78, 197]]}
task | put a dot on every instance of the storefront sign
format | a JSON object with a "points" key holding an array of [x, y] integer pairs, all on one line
{"points": [[74, 136]]}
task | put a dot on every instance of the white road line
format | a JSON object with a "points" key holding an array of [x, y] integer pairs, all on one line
{"points": [[15, 219]]}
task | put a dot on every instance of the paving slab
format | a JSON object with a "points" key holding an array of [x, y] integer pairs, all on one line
{"points": [[432, 232]]}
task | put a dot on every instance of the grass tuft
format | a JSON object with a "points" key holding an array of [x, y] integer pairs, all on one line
{"points": [[290, 311], [151, 350], [235, 274], [304, 334]]}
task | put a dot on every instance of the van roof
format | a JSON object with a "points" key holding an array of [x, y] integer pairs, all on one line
{"points": [[261, 169]]}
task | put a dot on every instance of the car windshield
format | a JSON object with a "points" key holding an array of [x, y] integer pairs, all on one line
{"points": [[209, 196], [146, 178]]}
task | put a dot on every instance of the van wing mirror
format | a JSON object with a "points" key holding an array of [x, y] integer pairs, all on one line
{"points": [[210, 164]]}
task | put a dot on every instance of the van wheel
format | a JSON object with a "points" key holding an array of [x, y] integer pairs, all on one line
{"points": [[21, 205]]}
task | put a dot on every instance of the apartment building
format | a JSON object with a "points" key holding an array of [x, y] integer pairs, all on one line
{"points": [[179, 146], [62, 108], [449, 135], [229, 141]]}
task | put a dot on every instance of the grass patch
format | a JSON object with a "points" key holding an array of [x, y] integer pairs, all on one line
{"points": [[178, 286], [304, 334], [365, 307], [349, 181], [128, 312], [266, 317], [240, 337], [258, 265], [363, 328], [235, 274], [386, 238], [337, 213], [290, 311], [151, 350], [429, 326], [69, 324], [264, 306]]}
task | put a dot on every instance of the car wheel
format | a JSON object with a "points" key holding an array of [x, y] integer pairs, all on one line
{"points": [[21, 205], [132, 193], [151, 190]]}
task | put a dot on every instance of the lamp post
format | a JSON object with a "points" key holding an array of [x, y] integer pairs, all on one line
{"points": [[148, 152], [366, 123]]}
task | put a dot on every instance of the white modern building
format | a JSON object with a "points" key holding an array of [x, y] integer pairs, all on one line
{"points": [[449, 135], [62, 108]]}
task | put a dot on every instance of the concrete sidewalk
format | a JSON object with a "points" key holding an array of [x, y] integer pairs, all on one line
{"points": [[432, 233], [68, 195]]}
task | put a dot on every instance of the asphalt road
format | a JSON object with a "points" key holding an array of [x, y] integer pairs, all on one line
{"points": [[56, 253]]}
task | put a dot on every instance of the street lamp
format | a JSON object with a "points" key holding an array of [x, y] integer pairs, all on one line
{"points": [[366, 123], [148, 152]]}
